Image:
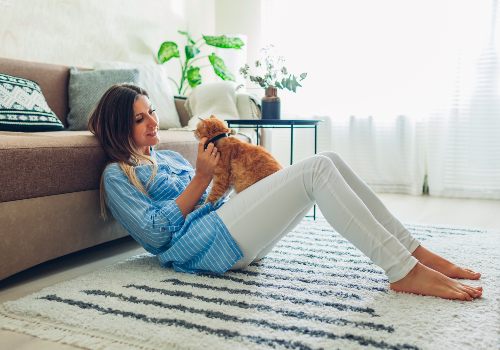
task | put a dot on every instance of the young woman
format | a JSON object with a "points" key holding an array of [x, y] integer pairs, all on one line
{"points": [[159, 198]]}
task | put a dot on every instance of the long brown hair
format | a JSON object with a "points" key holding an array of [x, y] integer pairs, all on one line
{"points": [[111, 122]]}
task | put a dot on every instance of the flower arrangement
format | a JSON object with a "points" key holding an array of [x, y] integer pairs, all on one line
{"points": [[190, 73], [270, 71]]}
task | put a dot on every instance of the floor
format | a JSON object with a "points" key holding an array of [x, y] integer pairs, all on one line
{"points": [[466, 213]]}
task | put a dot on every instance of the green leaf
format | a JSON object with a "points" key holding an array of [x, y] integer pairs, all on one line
{"points": [[186, 34], [303, 76], [244, 70], [193, 76], [167, 50], [290, 83], [220, 67], [223, 41], [191, 51]]}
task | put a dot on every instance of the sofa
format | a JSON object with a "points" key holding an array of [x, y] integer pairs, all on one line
{"points": [[49, 198]]}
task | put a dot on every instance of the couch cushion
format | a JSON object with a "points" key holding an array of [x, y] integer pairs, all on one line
{"points": [[49, 163], [86, 89], [23, 106]]}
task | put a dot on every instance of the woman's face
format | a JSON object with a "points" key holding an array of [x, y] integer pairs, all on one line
{"points": [[145, 128]]}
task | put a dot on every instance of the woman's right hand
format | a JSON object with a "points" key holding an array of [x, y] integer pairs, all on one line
{"points": [[205, 166], [206, 160]]}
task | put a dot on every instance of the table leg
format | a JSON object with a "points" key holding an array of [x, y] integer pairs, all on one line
{"points": [[315, 152]]}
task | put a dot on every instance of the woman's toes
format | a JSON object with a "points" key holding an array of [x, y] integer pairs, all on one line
{"points": [[461, 273], [472, 291], [479, 292], [462, 295], [473, 274], [466, 294]]}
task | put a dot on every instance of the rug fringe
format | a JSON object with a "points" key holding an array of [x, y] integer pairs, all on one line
{"points": [[64, 334]]}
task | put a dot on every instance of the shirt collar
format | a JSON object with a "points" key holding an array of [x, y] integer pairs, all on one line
{"points": [[152, 154]]}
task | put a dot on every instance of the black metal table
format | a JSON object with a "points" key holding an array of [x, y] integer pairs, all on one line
{"points": [[291, 124]]}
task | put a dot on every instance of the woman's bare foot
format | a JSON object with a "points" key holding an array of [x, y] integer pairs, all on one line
{"points": [[442, 265], [426, 281]]}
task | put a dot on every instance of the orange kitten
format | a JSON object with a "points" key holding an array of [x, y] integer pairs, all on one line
{"points": [[240, 165]]}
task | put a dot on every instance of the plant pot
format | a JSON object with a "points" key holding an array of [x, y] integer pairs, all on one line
{"points": [[271, 104]]}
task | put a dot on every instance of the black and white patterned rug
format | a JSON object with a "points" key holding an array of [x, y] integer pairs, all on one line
{"points": [[313, 291]]}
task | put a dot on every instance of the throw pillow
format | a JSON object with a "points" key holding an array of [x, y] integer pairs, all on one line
{"points": [[217, 98], [87, 87], [154, 79], [247, 106], [23, 106]]}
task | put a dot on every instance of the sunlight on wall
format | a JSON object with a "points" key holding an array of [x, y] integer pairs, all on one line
{"points": [[381, 58], [177, 7], [82, 32]]}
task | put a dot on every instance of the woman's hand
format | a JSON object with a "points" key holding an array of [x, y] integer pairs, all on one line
{"points": [[205, 166], [207, 160]]}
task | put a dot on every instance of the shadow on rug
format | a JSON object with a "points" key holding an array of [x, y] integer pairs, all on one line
{"points": [[313, 291]]}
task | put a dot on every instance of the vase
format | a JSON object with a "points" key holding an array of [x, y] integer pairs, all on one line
{"points": [[271, 104]]}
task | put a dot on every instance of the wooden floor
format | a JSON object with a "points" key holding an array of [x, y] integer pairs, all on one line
{"points": [[466, 213]]}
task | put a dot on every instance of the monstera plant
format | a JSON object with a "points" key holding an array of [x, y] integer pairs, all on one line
{"points": [[190, 70]]}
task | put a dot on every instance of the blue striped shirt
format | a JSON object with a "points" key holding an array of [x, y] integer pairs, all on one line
{"points": [[198, 243]]}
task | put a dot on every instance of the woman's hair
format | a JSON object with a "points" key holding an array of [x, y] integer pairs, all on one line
{"points": [[111, 122]]}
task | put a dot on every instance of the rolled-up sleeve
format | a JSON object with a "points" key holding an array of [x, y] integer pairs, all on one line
{"points": [[150, 223], [172, 214]]}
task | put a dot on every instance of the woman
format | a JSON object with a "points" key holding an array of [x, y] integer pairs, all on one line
{"points": [[158, 197]]}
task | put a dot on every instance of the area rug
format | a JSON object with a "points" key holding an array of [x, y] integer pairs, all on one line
{"points": [[313, 291]]}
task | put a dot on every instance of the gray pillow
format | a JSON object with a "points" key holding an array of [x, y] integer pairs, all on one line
{"points": [[87, 87]]}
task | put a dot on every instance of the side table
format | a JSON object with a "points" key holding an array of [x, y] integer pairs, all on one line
{"points": [[280, 124]]}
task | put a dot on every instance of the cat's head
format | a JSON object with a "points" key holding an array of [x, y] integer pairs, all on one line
{"points": [[210, 127]]}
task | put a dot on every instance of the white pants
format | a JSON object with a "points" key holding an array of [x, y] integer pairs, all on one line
{"points": [[260, 215]]}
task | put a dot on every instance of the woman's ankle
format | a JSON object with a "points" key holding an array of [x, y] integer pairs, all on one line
{"points": [[410, 275]]}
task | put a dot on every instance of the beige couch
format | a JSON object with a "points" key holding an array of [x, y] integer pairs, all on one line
{"points": [[49, 194]]}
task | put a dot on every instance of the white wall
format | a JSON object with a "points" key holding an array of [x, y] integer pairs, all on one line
{"points": [[82, 32], [241, 17]]}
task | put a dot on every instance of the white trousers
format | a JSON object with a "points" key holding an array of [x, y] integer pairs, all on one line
{"points": [[260, 215]]}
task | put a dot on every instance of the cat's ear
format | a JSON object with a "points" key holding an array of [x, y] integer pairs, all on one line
{"points": [[213, 116]]}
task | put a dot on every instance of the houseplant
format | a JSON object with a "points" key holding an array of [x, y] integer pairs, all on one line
{"points": [[270, 73], [190, 73]]}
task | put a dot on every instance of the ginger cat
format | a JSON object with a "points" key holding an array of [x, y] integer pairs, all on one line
{"points": [[240, 165]]}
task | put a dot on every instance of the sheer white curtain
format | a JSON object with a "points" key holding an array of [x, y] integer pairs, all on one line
{"points": [[464, 135], [382, 73]]}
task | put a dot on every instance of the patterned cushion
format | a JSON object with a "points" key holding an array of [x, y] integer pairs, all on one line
{"points": [[23, 106], [87, 87]]}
